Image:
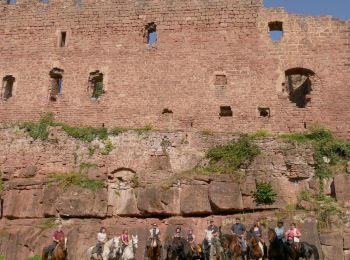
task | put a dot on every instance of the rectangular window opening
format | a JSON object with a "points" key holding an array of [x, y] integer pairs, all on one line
{"points": [[225, 111], [96, 88], [63, 39], [56, 83], [7, 87], [276, 30]]}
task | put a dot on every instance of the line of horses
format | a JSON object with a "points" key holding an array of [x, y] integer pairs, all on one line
{"points": [[228, 247]]}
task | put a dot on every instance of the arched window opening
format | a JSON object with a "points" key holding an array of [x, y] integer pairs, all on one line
{"points": [[95, 87], [7, 87], [276, 30], [56, 76], [299, 86]]}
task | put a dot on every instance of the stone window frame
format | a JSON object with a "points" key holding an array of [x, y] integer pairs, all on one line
{"points": [[55, 73], [308, 73], [91, 84], [59, 38], [3, 82]]}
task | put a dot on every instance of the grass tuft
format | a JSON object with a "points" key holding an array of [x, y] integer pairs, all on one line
{"points": [[66, 180]]}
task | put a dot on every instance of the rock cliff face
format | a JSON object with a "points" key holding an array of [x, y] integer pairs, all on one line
{"points": [[146, 177]]}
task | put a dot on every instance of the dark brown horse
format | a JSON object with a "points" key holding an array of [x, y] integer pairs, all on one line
{"points": [[154, 250], [232, 246], [277, 249], [59, 253]]}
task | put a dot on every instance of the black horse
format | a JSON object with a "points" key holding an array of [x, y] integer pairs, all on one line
{"points": [[305, 251], [277, 249], [177, 249]]}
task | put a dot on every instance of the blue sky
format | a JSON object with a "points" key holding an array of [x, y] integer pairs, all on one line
{"points": [[336, 8]]}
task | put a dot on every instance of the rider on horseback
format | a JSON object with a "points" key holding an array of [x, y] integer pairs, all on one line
{"points": [[239, 230], [57, 237], [293, 236], [101, 240], [190, 237], [280, 230], [155, 234], [213, 228], [177, 232], [125, 240]]}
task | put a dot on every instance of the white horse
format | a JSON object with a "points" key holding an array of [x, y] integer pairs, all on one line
{"points": [[109, 247], [129, 252]]}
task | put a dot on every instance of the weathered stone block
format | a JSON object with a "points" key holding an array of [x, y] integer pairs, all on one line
{"points": [[195, 200], [225, 196]]}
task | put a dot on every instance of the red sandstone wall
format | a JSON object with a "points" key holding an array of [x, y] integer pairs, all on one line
{"points": [[196, 39]]}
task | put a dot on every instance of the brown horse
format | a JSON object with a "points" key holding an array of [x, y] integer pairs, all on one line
{"points": [[277, 249], [59, 253], [256, 250], [232, 246], [154, 250]]}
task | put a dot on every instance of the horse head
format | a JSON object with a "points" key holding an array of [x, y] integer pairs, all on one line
{"points": [[271, 234], [208, 236], [134, 241]]}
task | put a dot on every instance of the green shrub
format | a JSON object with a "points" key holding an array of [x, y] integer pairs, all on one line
{"points": [[2, 257], [98, 90], [326, 147], [36, 257], [87, 134], [264, 193], [325, 208], [118, 130], [229, 157], [39, 130], [108, 147], [261, 133], [145, 129], [85, 166], [91, 150], [66, 180]]}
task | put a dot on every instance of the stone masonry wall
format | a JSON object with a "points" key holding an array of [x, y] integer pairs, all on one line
{"points": [[146, 178], [197, 40]]}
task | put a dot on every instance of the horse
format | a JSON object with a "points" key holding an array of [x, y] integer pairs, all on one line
{"points": [[256, 250], [59, 253], [196, 252], [277, 249], [177, 249], [207, 243], [305, 251], [232, 247], [108, 250], [153, 250], [129, 252], [216, 250]]}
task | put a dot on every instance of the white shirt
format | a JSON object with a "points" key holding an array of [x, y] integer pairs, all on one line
{"points": [[102, 237], [151, 231]]}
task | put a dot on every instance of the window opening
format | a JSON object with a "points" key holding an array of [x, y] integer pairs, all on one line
{"points": [[63, 39], [225, 111], [11, 2], [56, 83], [7, 87], [151, 33], [96, 84], [299, 86], [167, 111], [264, 111], [276, 30]]}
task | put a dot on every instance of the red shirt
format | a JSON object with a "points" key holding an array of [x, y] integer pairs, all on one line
{"points": [[58, 235], [125, 239]]}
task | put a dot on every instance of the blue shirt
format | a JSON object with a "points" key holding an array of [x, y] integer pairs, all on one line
{"points": [[279, 232]]}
